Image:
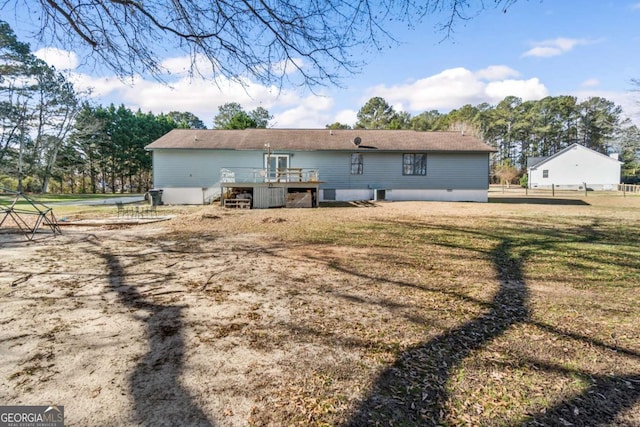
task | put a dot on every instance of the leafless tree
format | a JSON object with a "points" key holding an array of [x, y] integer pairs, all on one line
{"points": [[269, 41], [506, 173]]}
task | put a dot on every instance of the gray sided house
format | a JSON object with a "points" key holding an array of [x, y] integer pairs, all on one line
{"points": [[301, 167]]}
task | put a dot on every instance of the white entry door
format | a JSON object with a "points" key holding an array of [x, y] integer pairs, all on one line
{"points": [[273, 162]]}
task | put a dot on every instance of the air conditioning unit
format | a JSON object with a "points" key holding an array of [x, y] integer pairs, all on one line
{"points": [[379, 194]]}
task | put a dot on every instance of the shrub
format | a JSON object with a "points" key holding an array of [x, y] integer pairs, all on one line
{"points": [[8, 183], [524, 181]]}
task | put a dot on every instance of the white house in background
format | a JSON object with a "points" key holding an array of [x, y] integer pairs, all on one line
{"points": [[573, 168], [277, 167]]}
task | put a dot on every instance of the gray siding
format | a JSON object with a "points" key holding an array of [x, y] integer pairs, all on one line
{"points": [[384, 170], [198, 168], [458, 171], [201, 168]]}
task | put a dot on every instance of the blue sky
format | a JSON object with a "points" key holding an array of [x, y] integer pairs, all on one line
{"points": [[536, 49]]}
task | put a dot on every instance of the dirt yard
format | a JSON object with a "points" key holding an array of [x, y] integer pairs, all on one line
{"points": [[235, 317]]}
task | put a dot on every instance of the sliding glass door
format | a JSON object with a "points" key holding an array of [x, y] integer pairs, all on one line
{"points": [[273, 162]]}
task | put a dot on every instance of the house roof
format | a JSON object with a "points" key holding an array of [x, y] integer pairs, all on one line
{"points": [[535, 162], [319, 140], [532, 161]]}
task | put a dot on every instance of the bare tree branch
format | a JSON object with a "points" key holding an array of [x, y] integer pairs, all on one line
{"points": [[258, 39]]}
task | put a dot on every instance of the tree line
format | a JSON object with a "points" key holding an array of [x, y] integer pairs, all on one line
{"points": [[520, 129], [50, 138], [37, 109], [53, 139]]}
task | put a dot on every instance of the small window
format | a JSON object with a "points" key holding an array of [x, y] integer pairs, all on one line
{"points": [[414, 164], [545, 173], [329, 193], [356, 164]]}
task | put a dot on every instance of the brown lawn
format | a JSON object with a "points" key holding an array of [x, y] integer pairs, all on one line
{"points": [[522, 311]]}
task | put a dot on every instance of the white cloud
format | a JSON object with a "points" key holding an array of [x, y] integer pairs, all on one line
{"points": [[496, 72], [554, 47], [180, 66], [525, 89], [346, 117], [444, 90], [177, 65], [98, 87], [62, 60], [310, 112], [196, 95], [591, 83], [398, 106], [635, 6], [202, 95], [456, 87], [543, 52]]}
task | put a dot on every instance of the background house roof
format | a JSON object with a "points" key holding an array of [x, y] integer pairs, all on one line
{"points": [[532, 161], [319, 139]]}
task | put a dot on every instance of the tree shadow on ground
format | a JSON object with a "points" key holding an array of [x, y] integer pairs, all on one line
{"points": [[600, 404], [412, 391], [159, 396], [537, 201]]}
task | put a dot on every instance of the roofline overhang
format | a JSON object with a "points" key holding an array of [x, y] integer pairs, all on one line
{"points": [[334, 150]]}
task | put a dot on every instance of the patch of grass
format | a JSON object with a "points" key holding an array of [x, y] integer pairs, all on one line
{"points": [[49, 198], [496, 360]]}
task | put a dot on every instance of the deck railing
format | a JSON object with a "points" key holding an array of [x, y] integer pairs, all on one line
{"points": [[249, 175]]}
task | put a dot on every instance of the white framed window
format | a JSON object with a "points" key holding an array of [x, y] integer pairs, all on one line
{"points": [[356, 164], [545, 173], [414, 164]]}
